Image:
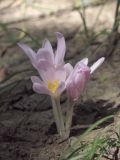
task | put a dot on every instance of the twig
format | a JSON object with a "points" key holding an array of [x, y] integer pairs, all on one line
{"points": [[116, 21], [27, 34], [115, 155], [83, 17]]}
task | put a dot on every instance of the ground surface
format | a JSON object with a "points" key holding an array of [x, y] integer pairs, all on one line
{"points": [[27, 128]]}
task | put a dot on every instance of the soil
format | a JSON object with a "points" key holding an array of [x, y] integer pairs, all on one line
{"points": [[27, 127]]}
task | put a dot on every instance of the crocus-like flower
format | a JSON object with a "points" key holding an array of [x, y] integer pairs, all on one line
{"points": [[52, 82], [50, 66], [79, 77], [46, 52]]}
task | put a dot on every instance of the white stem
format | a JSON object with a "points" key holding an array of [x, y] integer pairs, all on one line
{"points": [[69, 115], [58, 116], [61, 118]]}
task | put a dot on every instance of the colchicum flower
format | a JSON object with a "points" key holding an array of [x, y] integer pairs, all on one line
{"points": [[51, 67], [55, 76], [77, 81]]}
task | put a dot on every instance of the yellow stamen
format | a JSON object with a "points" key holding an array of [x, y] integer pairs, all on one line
{"points": [[53, 86]]}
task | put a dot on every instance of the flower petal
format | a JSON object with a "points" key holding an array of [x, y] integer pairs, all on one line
{"points": [[36, 79], [77, 81], [80, 66], [47, 45], [61, 48], [46, 70], [44, 64], [85, 61], [96, 64], [71, 91], [29, 52], [61, 88], [45, 54], [76, 86], [69, 68], [60, 74], [49, 73], [41, 89]]}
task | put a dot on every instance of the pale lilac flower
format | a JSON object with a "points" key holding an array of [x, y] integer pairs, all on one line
{"points": [[46, 52], [55, 76], [79, 77], [50, 66], [52, 83]]}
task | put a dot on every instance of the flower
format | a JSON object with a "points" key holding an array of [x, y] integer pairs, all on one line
{"points": [[79, 77], [50, 66], [46, 52], [55, 75], [52, 82]]}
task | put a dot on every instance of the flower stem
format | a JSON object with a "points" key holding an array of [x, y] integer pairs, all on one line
{"points": [[58, 116]]}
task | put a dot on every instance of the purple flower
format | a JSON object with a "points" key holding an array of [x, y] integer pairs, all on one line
{"points": [[55, 75], [46, 52], [79, 77], [50, 66]]}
